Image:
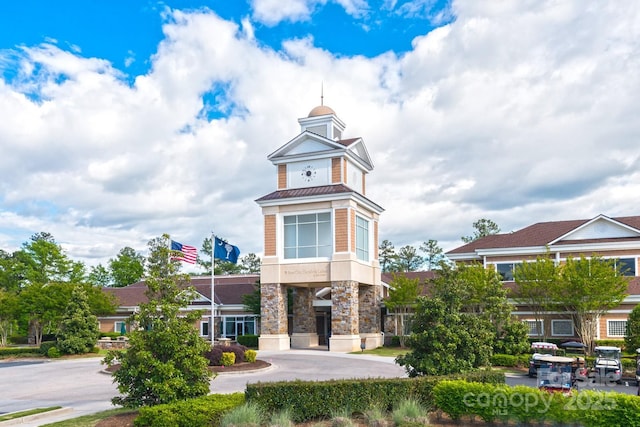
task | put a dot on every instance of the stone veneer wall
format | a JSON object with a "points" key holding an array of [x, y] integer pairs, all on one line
{"points": [[344, 308], [369, 309], [304, 317], [273, 309]]}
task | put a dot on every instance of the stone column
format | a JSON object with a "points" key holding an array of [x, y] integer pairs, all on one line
{"points": [[274, 333], [369, 316], [304, 319], [344, 316]]}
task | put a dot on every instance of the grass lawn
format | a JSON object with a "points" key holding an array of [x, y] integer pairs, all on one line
{"points": [[384, 351], [90, 420]]}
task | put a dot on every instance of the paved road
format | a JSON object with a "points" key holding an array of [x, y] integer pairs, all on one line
{"points": [[81, 385]]}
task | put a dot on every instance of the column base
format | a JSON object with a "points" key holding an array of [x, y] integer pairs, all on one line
{"points": [[274, 342], [304, 340], [344, 343], [372, 340]]}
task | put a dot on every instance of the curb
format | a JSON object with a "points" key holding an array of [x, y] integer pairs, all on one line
{"points": [[30, 418]]}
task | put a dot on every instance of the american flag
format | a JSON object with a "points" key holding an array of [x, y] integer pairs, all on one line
{"points": [[187, 253]]}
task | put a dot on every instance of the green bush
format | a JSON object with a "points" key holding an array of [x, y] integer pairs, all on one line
{"points": [[504, 360], [45, 346], [395, 341], [250, 341], [307, 400], [612, 343], [197, 412], [524, 405], [110, 335], [228, 359], [248, 414], [16, 351], [250, 356], [53, 353]]}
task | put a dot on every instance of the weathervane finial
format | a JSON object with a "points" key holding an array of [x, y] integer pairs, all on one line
{"points": [[322, 93]]}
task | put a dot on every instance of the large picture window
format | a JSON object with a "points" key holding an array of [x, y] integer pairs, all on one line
{"points": [[362, 239], [307, 236]]}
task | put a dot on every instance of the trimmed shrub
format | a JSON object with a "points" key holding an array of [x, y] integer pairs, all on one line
{"points": [[236, 349], [250, 356], [213, 355], [199, 412], [228, 359], [395, 341], [250, 341], [53, 353], [45, 346], [307, 400], [16, 351]]}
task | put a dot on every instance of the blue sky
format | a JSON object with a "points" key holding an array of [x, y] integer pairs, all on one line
{"points": [[124, 120]]}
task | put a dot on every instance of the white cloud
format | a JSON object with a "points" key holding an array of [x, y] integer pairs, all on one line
{"points": [[518, 112], [272, 12]]}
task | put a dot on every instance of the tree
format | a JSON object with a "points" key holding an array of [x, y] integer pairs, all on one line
{"points": [[164, 361], [44, 261], [587, 289], [445, 341], [477, 291], [126, 268], [536, 283], [99, 276], [403, 295], [252, 302], [8, 315], [407, 259], [42, 306], [386, 255], [79, 330], [433, 253], [250, 263], [632, 335], [484, 227]]}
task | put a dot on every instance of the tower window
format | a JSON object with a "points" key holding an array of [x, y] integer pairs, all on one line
{"points": [[307, 236], [362, 239]]}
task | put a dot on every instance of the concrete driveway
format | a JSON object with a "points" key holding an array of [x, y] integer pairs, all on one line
{"points": [[81, 386]]}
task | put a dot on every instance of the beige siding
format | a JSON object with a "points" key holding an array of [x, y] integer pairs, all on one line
{"points": [[336, 176], [270, 235], [282, 177], [342, 243]]}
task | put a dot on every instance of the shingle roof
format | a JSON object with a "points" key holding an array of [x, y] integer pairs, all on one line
{"points": [[229, 289], [540, 234]]}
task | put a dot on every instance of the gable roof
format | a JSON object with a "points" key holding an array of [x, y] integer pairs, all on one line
{"points": [[308, 144], [600, 229], [228, 289]]}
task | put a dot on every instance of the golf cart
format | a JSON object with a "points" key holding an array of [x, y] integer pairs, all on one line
{"points": [[556, 374], [540, 349], [608, 364]]}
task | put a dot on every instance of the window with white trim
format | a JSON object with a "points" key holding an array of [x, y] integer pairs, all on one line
{"points": [[627, 266], [505, 270], [616, 328], [119, 326], [362, 239], [308, 236], [233, 326], [562, 328], [535, 327], [204, 328]]}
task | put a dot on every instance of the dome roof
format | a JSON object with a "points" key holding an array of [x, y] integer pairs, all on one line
{"points": [[321, 110]]}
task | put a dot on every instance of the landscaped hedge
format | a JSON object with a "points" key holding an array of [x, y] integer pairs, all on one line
{"points": [[521, 404], [16, 351], [250, 341], [198, 412], [510, 360], [307, 400]]}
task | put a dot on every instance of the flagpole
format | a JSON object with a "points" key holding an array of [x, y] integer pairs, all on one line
{"points": [[213, 287]]}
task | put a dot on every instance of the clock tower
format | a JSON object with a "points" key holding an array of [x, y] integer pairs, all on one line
{"points": [[320, 243]]}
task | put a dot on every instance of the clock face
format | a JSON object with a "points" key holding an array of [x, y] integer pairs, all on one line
{"points": [[308, 173]]}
